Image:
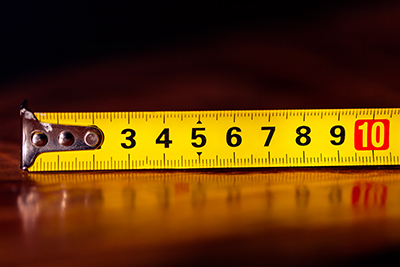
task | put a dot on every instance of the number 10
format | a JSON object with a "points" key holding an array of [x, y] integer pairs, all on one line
{"points": [[371, 135]]}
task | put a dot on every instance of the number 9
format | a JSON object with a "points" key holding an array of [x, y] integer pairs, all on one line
{"points": [[341, 135]]}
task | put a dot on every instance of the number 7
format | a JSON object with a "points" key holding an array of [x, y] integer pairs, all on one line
{"points": [[270, 134]]}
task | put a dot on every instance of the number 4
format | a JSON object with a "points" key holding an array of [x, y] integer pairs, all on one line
{"points": [[164, 135], [270, 134]]}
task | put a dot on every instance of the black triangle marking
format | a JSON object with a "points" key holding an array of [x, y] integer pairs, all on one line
{"points": [[199, 122], [199, 153]]}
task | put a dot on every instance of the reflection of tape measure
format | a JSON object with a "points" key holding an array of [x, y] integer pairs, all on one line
{"points": [[209, 139], [214, 178]]}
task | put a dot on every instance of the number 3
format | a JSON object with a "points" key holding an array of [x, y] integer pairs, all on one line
{"points": [[129, 138]]}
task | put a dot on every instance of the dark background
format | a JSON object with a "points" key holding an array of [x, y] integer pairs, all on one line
{"points": [[39, 36]]}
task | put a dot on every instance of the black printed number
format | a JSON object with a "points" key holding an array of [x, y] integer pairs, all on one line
{"points": [[233, 137], [303, 139], [196, 135], [270, 134], [163, 138], [132, 142], [338, 132]]}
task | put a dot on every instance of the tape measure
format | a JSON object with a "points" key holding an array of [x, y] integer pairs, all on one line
{"points": [[84, 141]]}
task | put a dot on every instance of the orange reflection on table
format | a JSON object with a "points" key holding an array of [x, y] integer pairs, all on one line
{"points": [[109, 212]]}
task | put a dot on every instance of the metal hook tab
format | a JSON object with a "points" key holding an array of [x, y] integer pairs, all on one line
{"points": [[39, 137]]}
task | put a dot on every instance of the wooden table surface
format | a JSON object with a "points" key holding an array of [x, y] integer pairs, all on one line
{"points": [[276, 217]]}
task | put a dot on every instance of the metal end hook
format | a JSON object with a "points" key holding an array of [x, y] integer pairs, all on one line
{"points": [[39, 137]]}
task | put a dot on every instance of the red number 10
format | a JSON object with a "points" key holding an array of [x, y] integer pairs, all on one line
{"points": [[371, 135]]}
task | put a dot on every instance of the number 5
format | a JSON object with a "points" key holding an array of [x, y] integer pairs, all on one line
{"points": [[201, 136]]}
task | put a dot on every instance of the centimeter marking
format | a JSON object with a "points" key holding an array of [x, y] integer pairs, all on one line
{"points": [[231, 139]]}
